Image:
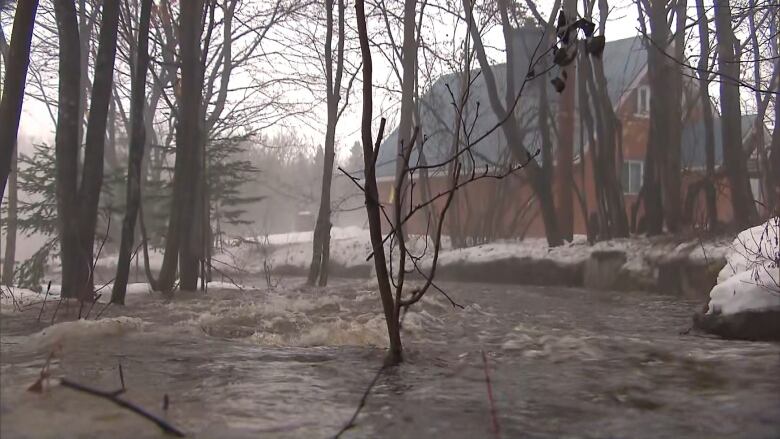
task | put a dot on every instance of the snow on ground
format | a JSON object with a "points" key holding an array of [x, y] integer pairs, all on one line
{"points": [[753, 248], [750, 280], [13, 299], [111, 261], [350, 247], [641, 253]]}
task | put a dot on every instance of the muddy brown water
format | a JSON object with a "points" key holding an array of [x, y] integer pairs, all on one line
{"points": [[293, 363]]}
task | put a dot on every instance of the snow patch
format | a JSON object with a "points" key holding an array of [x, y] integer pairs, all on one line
{"points": [[13, 299], [750, 280]]}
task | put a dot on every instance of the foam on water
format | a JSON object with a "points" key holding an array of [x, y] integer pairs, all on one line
{"points": [[79, 330], [322, 319]]}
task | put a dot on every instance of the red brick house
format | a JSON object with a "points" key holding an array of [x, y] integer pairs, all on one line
{"points": [[495, 209]]}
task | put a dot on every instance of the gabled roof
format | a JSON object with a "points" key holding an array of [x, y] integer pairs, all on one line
{"points": [[623, 59], [624, 63], [693, 147]]}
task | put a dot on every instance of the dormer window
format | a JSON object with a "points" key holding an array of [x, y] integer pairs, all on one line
{"points": [[643, 101]]}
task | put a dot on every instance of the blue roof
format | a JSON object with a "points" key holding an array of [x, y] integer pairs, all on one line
{"points": [[624, 61], [693, 147]]}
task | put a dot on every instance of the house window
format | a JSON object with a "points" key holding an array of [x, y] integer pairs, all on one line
{"points": [[643, 100], [632, 176]]}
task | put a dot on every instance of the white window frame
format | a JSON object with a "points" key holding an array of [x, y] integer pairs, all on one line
{"points": [[627, 165], [642, 105]]}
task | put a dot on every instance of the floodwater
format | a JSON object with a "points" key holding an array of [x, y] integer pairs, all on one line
{"points": [[294, 363]]}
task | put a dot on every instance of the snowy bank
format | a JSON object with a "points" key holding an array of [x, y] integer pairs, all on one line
{"points": [[13, 299], [745, 303], [681, 267]]}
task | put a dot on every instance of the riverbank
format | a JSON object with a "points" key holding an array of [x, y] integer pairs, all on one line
{"points": [[676, 266], [680, 266]]}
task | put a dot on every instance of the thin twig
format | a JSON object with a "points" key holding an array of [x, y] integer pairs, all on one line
{"points": [[54, 316], [363, 399], [89, 311], [220, 272], [103, 309], [113, 396], [121, 375], [496, 429], [43, 304]]}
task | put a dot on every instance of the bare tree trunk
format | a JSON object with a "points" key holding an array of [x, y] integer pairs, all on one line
{"points": [[67, 146], [744, 209], [17, 62], [409, 64], [774, 154], [510, 129], [612, 212], [775, 159], [565, 152], [86, 28], [395, 354], [543, 123], [136, 154], [92, 178], [11, 225], [709, 125], [766, 183], [658, 139], [665, 112], [321, 239], [189, 142]]}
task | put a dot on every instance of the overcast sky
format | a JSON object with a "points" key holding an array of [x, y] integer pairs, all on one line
{"points": [[36, 124]]}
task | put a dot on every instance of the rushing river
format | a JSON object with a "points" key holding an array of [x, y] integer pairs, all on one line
{"points": [[294, 363]]}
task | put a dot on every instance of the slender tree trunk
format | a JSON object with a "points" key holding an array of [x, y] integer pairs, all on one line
{"points": [[11, 225], [511, 131], [744, 209], [136, 154], [611, 206], [565, 151], [395, 355], [333, 73], [17, 62], [543, 123], [409, 65], [774, 154], [766, 183], [97, 121], [656, 156], [707, 117], [86, 27], [67, 146], [775, 159]]}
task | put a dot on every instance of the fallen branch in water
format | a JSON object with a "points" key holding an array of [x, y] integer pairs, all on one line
{"points": [[113, 396], [351, 422], [496, 430]]}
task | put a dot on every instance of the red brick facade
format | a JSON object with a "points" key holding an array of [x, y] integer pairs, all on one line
{"points": [[498, 209]]}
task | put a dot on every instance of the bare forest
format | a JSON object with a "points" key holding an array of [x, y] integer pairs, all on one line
{"points": [[389, 218]]}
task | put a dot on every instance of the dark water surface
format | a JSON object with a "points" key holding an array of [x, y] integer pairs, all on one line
{"points": [[293, 363]]}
